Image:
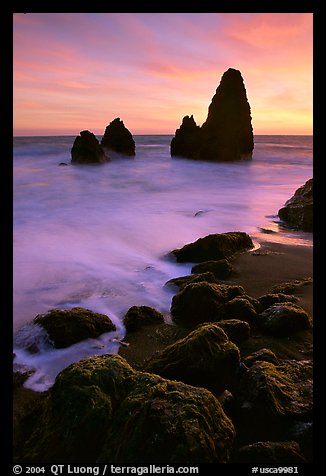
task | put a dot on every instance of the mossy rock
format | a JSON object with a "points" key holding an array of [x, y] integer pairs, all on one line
{"points": [[69, 326], [100, 409], [284, 319], [268, 300], [214, 247], [183, 281], [264, 354], [205, 357], [241, 307], [166, 422], [297, 212], [291, 287], [139, 316], [276, 453], [201, 302], [269, 392], [220, 269], [236, 330]]}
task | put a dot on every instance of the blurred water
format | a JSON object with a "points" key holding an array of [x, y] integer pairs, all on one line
{"points": [[97, 236]]}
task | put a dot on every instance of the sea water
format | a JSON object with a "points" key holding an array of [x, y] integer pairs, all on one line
{"points": [[98, 237]]}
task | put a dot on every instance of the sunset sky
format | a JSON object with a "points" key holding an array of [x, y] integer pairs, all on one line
{"points": [[75, 71]]}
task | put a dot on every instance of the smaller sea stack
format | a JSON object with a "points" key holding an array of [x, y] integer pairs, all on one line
{"points": [[118, 138]]}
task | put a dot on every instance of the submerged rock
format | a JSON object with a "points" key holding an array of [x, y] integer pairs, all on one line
{"points": [[205, 357], [87, 150], [227, 133], [118, 138], [69, 326], [139, 316], [298, 210], [101, 409], [182, 281], [215, 247]]}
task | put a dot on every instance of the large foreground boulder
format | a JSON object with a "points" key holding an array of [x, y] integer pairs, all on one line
{"points": [[101, 409], [87, 150], [298, 210], [69, 326], [118, 138], [227, 133], [205, 357], [214, 247]]}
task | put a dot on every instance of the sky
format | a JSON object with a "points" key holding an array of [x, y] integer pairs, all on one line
{"points": [[77, 71]]}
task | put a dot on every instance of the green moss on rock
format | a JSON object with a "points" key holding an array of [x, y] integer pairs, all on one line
{"points": [[214, 247], [139, 316], [221, 268], [69, 326], [201, 302], [100, 409], [205, 357], [284, 319]]}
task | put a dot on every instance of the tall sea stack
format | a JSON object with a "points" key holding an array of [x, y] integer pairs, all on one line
{"points": [[227, 133]]}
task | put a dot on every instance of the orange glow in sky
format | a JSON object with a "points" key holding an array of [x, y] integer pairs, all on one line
{"points": [[75, 71]]}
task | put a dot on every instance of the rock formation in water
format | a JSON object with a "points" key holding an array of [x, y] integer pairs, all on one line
{"points": [[227, 133], [298, 210], [87, 150], [118, 138], [186, 140]]}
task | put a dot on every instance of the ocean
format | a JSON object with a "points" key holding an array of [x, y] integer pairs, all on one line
{"points": [[98, 237]]}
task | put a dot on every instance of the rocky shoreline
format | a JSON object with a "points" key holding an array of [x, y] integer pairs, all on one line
{"points": [[220, 390]]}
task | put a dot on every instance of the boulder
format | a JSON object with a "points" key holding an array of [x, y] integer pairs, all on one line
{"points": [[236, 330], [283, 319], [139, 316], [276, 453], [205, 357], [200, 302], [186, 140], [214, 247], [242, 307], [227, 133], [182, 281], [87, 150], [268, 300], [264, 354], [221, 268], [69, 326], [118, 138], [297, 212], [101, 409], [270, 393]]}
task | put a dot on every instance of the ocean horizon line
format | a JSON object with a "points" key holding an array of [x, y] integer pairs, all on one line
{"points": [[159, 134]]}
